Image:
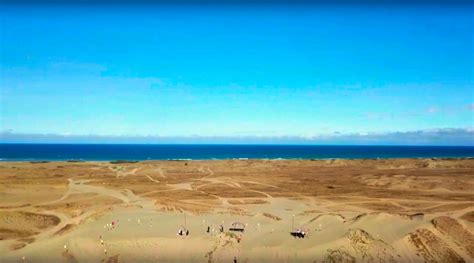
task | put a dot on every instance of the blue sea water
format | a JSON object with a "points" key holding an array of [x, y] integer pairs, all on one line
{"points": [[104, 152]]}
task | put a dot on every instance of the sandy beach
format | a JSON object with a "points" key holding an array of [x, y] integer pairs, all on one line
{"points": [[387, 210]]}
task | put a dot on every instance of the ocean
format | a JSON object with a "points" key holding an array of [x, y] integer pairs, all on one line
{"points": [[138, 152]]}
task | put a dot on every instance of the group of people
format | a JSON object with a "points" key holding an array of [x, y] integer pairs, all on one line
{"points": [[221, 229], [182, 232], [112, 225]]}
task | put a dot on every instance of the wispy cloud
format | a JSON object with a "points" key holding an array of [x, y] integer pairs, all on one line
{"points": [[470, 107], [432, 110], [442, 136]]}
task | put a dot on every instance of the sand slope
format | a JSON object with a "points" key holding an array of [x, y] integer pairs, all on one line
{"points": [[401, 210]]}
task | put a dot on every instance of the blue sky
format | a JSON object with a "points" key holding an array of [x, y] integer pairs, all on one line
{"points": [[300, 72]]}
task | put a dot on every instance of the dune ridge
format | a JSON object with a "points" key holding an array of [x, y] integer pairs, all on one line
{"points": [[387, 210]]}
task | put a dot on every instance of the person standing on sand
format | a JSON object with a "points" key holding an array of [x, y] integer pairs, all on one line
{"points": [[235, 259]]}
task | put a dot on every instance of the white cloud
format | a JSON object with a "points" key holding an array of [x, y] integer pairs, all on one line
{"points": [[440, 136]]}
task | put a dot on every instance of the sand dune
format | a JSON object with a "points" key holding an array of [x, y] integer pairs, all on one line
{"points": [[400, 210]]}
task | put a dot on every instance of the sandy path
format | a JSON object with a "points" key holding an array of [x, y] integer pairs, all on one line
{"points": [[124, 195], [120, 173], [161, 173], [151, 179]]}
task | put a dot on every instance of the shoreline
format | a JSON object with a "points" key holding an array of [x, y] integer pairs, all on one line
{"points": [[223, 159]]}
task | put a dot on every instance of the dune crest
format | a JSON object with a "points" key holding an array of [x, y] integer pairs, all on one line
{"points": [[396, 210]]}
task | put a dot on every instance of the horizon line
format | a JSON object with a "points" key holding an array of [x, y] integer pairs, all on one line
{"points": [[235, 144]]}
